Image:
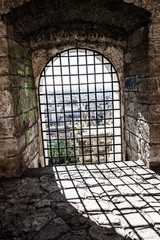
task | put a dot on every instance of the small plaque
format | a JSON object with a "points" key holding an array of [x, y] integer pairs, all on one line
{"points": [[131, 83]]}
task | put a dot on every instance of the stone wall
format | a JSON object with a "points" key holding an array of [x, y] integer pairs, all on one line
{"points": [[154, 85], [9, 146], [137, 99], [142, 107], [33, 31], [19, 146]]}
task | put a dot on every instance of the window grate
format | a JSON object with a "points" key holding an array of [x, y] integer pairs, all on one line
{"points": [[79, 97]]}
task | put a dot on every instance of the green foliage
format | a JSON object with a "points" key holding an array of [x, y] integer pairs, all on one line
{"points": [[64, 152]]}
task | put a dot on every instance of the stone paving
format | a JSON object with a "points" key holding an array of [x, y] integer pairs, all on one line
{"points": [[110, 201]]}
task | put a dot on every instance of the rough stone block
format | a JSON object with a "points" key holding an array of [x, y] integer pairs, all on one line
{"points": [[134, 141], [145, 151], [35, 162], [127, 136], [154, 113], [127, 57], [154, 31], [6, 104], [143, 112], [155, 98], [143, 50], [141, 68], [30, 156], [7, 127], [143, 130], [154, 84], [11, 147], [134, 54], [5, 82], [3, 47], [155, 133], [154, 66], [4, 66], [31, 133], [143, 85], [136, 38], [3, 28], [40, 57], [143, 98], [25, 121], [131, 124], [134, 155], [24, 99], [154, 47], [4, 6], [155, 155], [16, 3], [11, 167], [14, 49]]}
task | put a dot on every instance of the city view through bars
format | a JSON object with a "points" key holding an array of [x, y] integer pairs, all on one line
{"points": [[80, 109]]}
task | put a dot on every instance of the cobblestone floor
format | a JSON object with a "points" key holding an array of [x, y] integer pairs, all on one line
{"points": [[95, 202]]}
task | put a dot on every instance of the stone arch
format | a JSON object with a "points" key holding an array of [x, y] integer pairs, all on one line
{"points": [[48, 134], [41, 57]]}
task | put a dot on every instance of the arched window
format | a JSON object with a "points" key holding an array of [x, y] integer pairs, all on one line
{"points": [[79, 97]]}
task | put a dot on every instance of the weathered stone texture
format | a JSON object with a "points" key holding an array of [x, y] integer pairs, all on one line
{"points": [[155, 133], [15, 147], [7, 127], [11, 167], [4, 66], [3, 47], [5, 82], [6, 104]]}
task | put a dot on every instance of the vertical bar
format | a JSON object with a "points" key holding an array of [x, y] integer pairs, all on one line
{"points": [[65, 130], [104, 101], [113, 116], [80, 101], [88, 106], [72, 107], [41, 119], [97, 129], [48, 116], [55, 95]]}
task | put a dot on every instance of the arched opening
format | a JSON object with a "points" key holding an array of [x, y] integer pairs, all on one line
{"points": [[79, 97]]}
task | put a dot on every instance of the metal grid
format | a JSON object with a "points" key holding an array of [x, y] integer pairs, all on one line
{"points": [[79, 99]]}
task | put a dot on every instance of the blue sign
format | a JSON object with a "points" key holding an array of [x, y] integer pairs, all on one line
{"points": [[131, 83]]}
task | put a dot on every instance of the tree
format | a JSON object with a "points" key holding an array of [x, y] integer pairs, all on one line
{"points": [[63, 151]]}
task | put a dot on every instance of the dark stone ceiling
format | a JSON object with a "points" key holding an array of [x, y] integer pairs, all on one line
{"points": [[112, 15]]}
